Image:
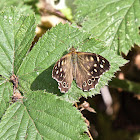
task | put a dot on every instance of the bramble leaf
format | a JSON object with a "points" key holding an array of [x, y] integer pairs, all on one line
{"points": [[116, 22], [42, 116], [16, 33], [35, 72]]}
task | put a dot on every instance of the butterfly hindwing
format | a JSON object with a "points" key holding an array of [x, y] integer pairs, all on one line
{"points": [[62, 73], [84, 81]]}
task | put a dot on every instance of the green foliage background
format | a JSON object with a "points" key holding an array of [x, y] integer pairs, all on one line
{"points": [[44, 112]]}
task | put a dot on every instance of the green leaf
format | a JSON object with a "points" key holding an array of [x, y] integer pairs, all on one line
{"points": [[115, 22], [35, 72], [8, 3], [6, 91], [126, 85], [67, 12], [42, 116], [16, 33], [18, 3]]}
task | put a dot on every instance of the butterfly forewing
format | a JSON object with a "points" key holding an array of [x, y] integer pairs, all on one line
{"points": [[62, 73], [90, 67], [93, 63]]}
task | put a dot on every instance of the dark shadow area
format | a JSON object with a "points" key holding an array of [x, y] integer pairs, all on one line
{"points": [[45, 82]]}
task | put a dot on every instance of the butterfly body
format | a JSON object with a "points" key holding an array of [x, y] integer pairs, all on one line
{"points": [[84, 67], [73, 61]]}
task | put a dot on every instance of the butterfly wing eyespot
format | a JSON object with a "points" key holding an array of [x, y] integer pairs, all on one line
{"points": [[89, 82]]}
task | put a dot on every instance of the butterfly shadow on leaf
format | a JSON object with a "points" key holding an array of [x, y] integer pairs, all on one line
{"points": [[45, 82]]}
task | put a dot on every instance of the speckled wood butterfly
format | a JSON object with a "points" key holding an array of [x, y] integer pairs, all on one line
{"points": [[84, 67]]}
